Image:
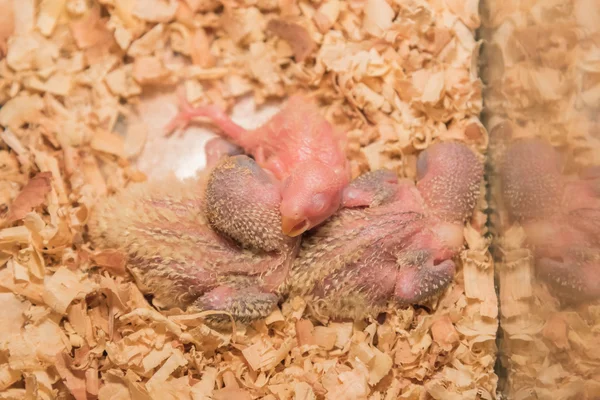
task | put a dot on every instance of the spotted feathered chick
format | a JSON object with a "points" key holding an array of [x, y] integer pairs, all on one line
{"points": [[400, 248], [227, 254]]}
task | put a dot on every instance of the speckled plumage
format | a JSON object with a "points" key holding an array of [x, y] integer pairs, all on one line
{"points": [[398, 249], [216, 243], [560, 214]]}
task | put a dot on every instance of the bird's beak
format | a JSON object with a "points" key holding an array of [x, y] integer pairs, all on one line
{"points": [[294, 227]]}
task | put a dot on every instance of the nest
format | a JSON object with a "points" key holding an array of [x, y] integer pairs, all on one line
{"points": [[82, 86]]}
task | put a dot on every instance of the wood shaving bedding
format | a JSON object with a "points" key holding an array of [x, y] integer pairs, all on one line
{"points": [[542, 78], [77, 79]]}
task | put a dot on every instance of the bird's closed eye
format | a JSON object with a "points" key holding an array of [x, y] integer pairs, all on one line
{"points": [[422, 164], [318, 202]]}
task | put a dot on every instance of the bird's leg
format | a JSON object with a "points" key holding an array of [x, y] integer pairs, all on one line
{"points": [[218, 148], [449, 179], [245, 304], [371, 189], [217, 116], [412, 277], [420, 277], [242, 203]]}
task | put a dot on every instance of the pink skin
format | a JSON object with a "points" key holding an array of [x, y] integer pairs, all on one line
{"points": [[560, 214], [401, 246], [300, 149], [218, 148]]}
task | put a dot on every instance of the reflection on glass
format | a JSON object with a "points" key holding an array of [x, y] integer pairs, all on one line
{"points": [[542, 70]]}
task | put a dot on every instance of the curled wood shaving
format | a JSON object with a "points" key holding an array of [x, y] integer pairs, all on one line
{"points": [[21, 110], [444, 333], [200, 49], [149, 70], [32, 195], [89, 30], [155, 10], [62, 288], [48, 14], [378, 17], [296, 36], [74, 380], [108, 142]]}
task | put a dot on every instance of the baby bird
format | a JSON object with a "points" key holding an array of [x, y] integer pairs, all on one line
{"points": [[299, 148], [400, 248]]}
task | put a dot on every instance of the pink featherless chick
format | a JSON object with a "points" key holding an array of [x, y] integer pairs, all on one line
{"points": [[299, 148]]}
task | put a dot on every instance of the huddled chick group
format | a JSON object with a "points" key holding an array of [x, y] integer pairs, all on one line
{"points": [[220, 241]]}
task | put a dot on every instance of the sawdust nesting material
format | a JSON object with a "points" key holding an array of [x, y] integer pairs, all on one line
{"points": [[397, 76]]}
